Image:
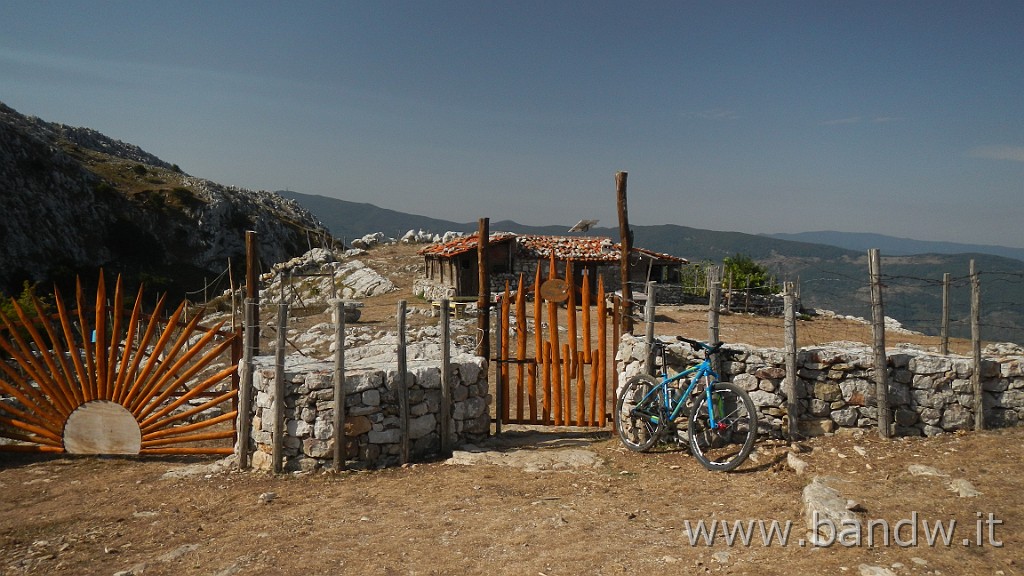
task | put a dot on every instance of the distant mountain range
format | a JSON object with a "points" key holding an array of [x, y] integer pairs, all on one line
{"points": [[892, 246], [75, 201], [831, 268]]}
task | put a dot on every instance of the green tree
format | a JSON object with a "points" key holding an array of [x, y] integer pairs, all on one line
{"points": [[746, 274]]}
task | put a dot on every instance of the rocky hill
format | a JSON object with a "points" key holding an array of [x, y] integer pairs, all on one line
{"points": [[74, 201]]}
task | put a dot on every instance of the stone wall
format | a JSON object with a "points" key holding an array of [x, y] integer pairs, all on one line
{"points": [[372, 425], [432, 290], [928, 393]]}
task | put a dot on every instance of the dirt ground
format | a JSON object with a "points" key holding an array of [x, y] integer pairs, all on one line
{"points": [[617, 513], [530, 502]]}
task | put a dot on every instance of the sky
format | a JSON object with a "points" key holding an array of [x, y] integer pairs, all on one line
{"points": [[903, 118]]}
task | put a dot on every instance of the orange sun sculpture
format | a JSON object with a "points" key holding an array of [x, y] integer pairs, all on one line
{"points": [[99, 385]]}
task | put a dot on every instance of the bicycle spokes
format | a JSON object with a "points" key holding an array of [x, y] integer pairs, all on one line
{"points": [[639, 413], [722, 431]]}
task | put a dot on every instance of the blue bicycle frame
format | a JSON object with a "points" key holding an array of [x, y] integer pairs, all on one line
{"points": [[698, 372]]}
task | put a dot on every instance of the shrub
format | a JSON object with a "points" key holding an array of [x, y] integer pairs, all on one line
{"points": [[745, 274]]}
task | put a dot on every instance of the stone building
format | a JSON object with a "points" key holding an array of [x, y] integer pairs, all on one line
{"points": [[451, 269]]}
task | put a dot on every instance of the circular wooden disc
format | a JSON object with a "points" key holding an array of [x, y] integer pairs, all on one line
{"points": [[554, 290], [102, 427]]}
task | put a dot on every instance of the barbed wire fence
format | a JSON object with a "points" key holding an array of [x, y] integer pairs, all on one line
{"points": [[918, 309]]}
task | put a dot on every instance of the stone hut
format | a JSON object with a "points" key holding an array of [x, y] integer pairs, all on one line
{"points": [[451, 268]]}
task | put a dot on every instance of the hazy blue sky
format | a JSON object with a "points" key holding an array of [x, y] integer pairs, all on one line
{"points": [[901, 118]]}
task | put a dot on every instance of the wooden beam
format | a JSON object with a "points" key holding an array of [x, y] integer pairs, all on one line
{"points": [[626, 242]]}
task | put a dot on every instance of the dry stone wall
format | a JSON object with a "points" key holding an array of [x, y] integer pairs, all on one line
{"points": [[372, 424], [928, 393]]}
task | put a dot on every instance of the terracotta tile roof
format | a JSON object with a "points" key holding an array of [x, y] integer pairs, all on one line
{"points": [[463, 244], [577, 248]]}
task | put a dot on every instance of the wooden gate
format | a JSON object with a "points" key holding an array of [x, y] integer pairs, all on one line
{"points": [[545, 380], [95, 382]]}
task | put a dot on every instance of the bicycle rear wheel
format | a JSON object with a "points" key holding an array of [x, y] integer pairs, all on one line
{"points": [[639, 413], [726, 445]]}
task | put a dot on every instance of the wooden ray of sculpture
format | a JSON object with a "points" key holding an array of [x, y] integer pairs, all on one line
{"points": [[97, 386]]}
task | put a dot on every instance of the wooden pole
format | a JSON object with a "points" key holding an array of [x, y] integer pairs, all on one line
{"points": [[626, 242], [483, 303], [945, 314], [792, 403], [277, 451], [520, 349], [602, 346], [403, 388], [649, 311], [714, 302], [252, 288], [881, 370], [446, 383], [979, 405], [245, 389], [340, 451], [501, 408], [538, 351]]}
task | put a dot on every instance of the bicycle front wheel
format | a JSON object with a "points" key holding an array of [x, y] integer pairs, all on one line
{"points": [[727, 444], [639, 413]]}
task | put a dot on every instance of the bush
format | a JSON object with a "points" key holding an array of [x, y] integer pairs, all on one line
{"points": [[745, 274], [24, 300]]}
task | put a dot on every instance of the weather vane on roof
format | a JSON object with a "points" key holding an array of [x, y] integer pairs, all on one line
{"points": [[583, 226]]}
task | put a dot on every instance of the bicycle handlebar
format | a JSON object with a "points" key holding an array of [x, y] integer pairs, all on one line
{"points": [[698, 346]]}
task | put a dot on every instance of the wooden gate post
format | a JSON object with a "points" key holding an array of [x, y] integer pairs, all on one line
{"points": [[626, 242], [245, 388], [483, 302], [252, 288], [881, 369]]}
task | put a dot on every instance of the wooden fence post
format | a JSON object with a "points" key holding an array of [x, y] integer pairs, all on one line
{"points": [[626, 244], [245, 389], [483, 302], [881, 369], [944, 331], [979, 407], [402, 385], [446, 384], [340, 451], [252, 288], [714, 301], [649, 312], [792, 402], [279, 389]]}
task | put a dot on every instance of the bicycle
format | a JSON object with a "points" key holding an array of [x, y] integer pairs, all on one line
{"points": [[721, 417]]}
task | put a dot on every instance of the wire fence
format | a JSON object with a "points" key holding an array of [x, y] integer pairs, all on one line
{"points": [[835, 305]]}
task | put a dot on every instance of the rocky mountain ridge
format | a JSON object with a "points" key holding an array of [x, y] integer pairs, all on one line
{"points": [[75, 201]]}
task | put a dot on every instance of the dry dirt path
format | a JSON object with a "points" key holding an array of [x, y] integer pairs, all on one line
{"points": [[602, 510]]}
